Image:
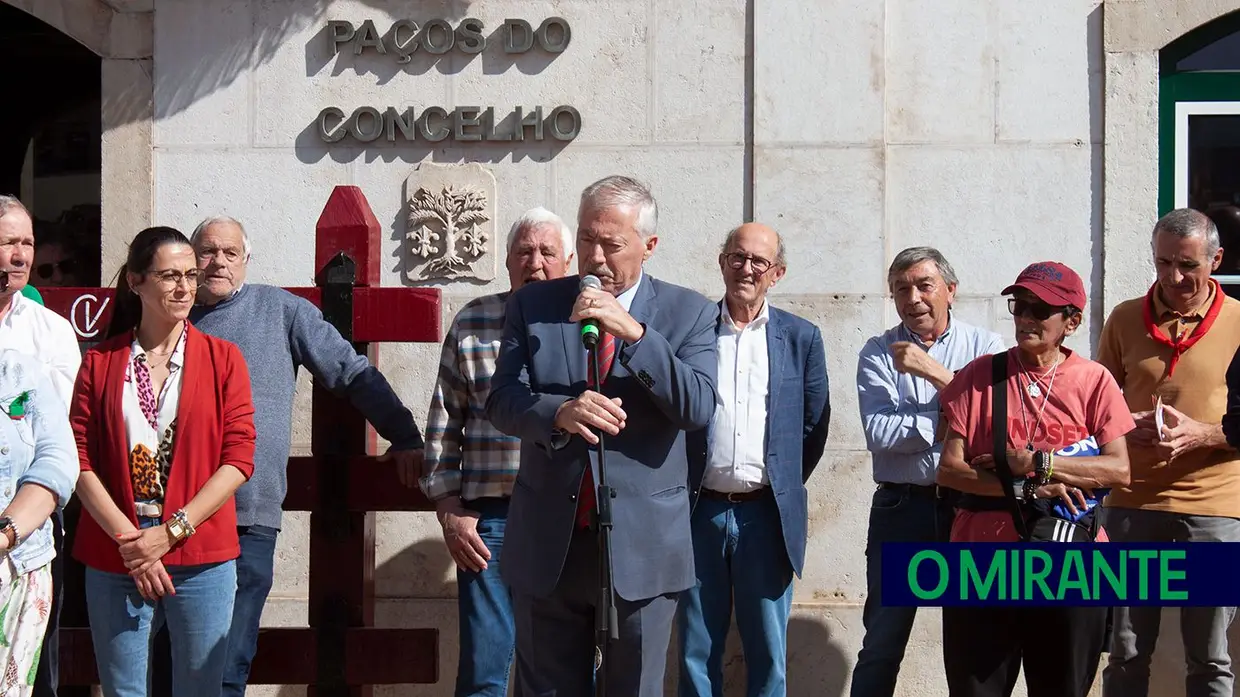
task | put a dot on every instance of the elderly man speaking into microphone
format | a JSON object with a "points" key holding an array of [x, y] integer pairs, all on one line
{"points": [[657, 362]]}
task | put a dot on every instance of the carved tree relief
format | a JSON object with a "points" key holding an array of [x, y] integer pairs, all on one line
{"points": [[455, 215]]}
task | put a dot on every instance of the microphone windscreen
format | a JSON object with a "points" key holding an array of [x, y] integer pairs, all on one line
{"points": [[590, 281]]}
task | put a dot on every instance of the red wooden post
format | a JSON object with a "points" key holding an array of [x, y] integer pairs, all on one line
{"points": [[342, 654]]}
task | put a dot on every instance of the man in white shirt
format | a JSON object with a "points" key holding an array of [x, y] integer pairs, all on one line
{"points": [[25, 325], [28, 327], [747, 473]]}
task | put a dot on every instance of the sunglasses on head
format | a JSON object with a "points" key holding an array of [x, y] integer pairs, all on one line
{"points": [[1038, 309]]}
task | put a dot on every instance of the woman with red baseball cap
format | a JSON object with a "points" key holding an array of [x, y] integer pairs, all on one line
{"points": [[1060, 448]]}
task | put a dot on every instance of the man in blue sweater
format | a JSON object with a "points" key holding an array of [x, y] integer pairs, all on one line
{"points": [[278, 333]]}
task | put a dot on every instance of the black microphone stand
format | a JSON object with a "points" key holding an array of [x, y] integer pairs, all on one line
{"points": [[606, 626]]}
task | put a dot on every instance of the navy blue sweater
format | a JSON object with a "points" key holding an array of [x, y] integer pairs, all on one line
{"points": [[279, 332]]}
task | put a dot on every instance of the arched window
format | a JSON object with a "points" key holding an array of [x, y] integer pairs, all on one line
{"points": [[1199, 132]]}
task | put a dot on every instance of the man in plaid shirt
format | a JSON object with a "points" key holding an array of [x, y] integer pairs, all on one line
{"points": [[471, 466]]}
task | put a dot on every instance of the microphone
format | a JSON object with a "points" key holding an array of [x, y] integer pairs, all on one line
{"points": [[589, 327]]}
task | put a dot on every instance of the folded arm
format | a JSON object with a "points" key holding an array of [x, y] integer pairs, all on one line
{"points": [[954, 472], [889, 425]]}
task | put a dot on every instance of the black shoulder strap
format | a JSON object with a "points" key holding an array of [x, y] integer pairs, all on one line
{"points": [[998, 422]]}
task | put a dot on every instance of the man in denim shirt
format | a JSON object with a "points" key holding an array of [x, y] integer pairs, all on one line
{"points": [[899, 376]]}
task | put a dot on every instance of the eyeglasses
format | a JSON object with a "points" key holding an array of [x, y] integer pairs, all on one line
{"points": [[45, 271], [737, 261], [1039, 310], [171, 279]]}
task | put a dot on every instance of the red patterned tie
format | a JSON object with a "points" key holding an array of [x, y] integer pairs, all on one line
{"points": [[585, 498]]}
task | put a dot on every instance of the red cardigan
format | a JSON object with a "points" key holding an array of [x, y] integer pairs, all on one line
{"points": [[215, 426]]}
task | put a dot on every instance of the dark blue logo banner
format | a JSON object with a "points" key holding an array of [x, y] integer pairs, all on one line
{"points": [[1201, 574]]}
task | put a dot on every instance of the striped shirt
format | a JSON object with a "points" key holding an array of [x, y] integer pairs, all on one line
{"points": [[465, 455]]}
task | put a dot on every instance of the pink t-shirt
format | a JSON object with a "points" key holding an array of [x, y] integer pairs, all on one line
{"points": [[1084, 401]]}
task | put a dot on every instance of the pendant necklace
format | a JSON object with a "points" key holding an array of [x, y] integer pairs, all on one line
{"points": [[1033, 391]]}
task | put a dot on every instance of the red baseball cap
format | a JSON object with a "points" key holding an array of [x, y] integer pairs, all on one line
{"points": [[1054, 284]]}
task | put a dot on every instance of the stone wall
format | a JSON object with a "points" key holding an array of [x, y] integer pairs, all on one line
{"points": [[855, 127]]}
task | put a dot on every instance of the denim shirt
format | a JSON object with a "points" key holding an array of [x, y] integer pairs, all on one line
{"points": [[900, 412], [35, 448]]}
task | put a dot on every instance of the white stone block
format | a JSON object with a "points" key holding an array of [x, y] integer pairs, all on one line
{"points": [[202, 77], [828, 206], [1130, 173], [292, 566], [840, 492], [605, 73], [1049, 58], [818, 71], [992, 211], [940, 72], [277, 200], [700, 192], [699, 71], [846, 323]]}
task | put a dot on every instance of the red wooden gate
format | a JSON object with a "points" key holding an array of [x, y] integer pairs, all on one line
{"points": [[341, 653]]}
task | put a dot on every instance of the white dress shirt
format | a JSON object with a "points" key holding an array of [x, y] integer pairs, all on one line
{"points": [[736, 461], [34, 330]]}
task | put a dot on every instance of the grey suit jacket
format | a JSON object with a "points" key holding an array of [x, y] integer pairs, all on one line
{"points": [[667, 386]]}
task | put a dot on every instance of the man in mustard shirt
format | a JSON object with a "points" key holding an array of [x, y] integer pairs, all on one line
{"points": [[1172, 347]]}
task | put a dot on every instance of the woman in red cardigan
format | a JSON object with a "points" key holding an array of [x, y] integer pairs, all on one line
{"points": [[165, 433]]}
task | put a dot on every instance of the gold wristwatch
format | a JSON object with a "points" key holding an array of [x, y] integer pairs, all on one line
{"points": [[179, 526]]}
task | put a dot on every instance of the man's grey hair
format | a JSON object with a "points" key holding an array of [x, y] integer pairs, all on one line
{"points": [[1186, 222], [781, 258], [913, 256], [9, 203], [222, 219], [541, 216], [619, 190]]}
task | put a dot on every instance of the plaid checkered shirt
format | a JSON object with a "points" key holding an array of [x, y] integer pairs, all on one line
{"points": [[465, 455]]}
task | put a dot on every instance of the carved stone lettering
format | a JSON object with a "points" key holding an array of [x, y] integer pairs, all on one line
{"points": [[450, 226]]}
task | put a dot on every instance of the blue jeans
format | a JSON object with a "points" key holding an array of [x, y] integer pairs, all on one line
{"points": [[255, 572], [488, 633], [739, 554], [123, 625], [896, 515]]}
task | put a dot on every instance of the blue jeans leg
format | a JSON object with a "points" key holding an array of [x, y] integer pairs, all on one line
{"points": [[488, 633], [741, 562], [198, 616], [896, 515], [762, 593], [255, 572]]}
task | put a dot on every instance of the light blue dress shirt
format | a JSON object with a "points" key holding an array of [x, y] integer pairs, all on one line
{"points": [[900, 412], [37, 447]]}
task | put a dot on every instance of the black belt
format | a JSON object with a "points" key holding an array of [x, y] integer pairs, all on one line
{"points": [[930, 491], [736, 497]]}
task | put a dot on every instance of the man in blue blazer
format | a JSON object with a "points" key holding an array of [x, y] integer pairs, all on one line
{"points": [[748, 472], [657, 359]]}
